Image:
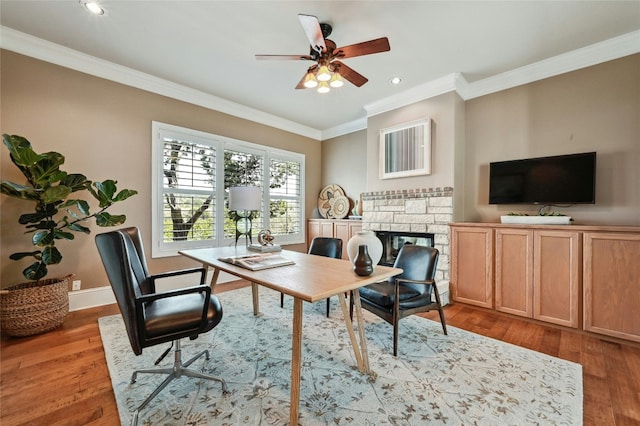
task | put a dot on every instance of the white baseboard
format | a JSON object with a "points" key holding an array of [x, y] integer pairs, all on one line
{"points": [[100, 296]]}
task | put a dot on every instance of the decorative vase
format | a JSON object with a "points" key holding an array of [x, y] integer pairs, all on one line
{"points": [[363, 264], [368, 238], [359, 206], [354, 211]]}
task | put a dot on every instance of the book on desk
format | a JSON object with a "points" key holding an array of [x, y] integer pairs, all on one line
{"points": [[256, 262]]}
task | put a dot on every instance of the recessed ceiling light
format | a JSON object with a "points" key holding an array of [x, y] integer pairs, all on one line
{"points": [[93, 7], [396, 80]]}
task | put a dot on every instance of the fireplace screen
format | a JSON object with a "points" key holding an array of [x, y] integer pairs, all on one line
{"points": [[392, 242]]}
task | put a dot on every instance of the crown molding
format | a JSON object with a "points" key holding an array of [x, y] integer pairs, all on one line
{"points": [[608, 50], [34, 47], [345, 128], [617, 47], [415, 94]]}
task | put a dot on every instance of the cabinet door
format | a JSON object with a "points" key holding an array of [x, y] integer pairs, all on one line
{"points": [[612, 284], [313, 230], [514, 271], [472, 265], [556, 288], [341, 230]]}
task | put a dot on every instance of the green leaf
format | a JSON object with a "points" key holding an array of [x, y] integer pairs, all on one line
{"points": [[30, 218], [42, 238], [47, 169], [20, 150], [23, 254], [45, 224], [51, 256], [105, 191], [76, 182], [36, 271], [62, 235], [79, 228], [124, 194], [15, 190], [106, 219], [56, 193]]}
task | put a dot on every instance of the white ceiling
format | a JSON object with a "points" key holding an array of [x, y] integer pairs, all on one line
{"points": [[209, 46]]}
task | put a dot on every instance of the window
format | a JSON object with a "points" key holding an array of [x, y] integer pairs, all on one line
{"points": [[192, 172]]}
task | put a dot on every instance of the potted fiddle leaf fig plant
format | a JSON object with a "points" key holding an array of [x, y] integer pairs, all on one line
{"points": [[56, 211]]}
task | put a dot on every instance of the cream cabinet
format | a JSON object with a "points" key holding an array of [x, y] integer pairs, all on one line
{"points": [[537, 274], [471, 260], [612, 284], [333, 228], [579, 276]]}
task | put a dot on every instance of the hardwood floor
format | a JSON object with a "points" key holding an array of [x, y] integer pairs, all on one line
{"points": [[61, 377]]}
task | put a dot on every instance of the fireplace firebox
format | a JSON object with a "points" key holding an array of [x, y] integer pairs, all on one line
{"points": [[393, 241]]}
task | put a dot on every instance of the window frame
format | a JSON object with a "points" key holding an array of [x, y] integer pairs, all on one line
{"points": [[160, 130]]}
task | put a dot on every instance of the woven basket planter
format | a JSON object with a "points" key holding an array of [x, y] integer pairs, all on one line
{"points": [[34, 307]]}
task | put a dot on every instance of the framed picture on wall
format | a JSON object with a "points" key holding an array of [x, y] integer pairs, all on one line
{"points": [[405, 150]]}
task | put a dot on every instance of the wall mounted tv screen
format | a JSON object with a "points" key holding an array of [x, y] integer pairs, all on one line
{"points": [[562, 179]]}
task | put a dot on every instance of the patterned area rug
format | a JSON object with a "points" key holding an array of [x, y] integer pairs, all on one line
{"points": [[462, 378]]}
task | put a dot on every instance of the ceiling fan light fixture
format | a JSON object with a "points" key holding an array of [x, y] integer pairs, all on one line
{"points": [[336, 80], [323, 73], [310, 81], [323, 87]]}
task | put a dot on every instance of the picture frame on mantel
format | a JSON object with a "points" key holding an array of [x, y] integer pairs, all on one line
{"points": [[405, 149]]}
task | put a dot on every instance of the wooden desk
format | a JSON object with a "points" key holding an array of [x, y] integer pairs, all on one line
{"points": [[311, 279]]}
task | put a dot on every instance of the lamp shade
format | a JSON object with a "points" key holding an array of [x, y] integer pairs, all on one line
{"points": [[245, 198]]}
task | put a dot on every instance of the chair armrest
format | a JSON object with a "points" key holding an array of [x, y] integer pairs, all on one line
{"points": [[177, 292], [172, 293], [188, 271], [404, 280]]}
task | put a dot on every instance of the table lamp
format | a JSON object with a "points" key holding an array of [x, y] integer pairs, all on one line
{"points": [[244, 200]]}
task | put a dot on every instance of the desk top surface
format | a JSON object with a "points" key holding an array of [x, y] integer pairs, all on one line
{"points": [[311, 278]]}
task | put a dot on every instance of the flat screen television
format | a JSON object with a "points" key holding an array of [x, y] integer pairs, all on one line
{"points": [[561, 179]]}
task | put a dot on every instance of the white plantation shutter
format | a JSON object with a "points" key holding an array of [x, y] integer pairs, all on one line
{"points": [[191, 173]]}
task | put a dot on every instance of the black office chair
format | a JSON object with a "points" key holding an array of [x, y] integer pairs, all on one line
{"points": [[408, 293], [152, 318], [323, 246]]}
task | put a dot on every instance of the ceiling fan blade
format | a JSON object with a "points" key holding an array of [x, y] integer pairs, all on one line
{"points": [[311, 27], [350, 74], [301, 82], [365, 48], [284, 57]]}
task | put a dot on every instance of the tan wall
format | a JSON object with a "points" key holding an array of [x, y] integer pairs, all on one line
{"points": [[442, 111], [104, 130], [343, 163], [593, 109]]}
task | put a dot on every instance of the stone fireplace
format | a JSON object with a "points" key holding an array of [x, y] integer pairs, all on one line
{"points": [[421, 211]]}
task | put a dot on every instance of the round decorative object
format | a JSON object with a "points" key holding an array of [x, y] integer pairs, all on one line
{"points": [[327, 199], [368, 238], [363, 264], [265, 238], [339, 208]]}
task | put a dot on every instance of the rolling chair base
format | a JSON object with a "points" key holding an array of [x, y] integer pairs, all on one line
{"points": [[179, 369]]}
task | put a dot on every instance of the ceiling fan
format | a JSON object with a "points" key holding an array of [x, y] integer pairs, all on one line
{"points": [[328, 71]]}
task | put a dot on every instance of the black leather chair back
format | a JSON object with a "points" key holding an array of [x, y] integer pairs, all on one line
{"points": [[418, 263], [325, 246], [125, 272]]}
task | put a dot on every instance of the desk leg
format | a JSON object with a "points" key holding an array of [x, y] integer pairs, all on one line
{"points": [[360, 351], [214, 277], [296, 361], [256, 299]]}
